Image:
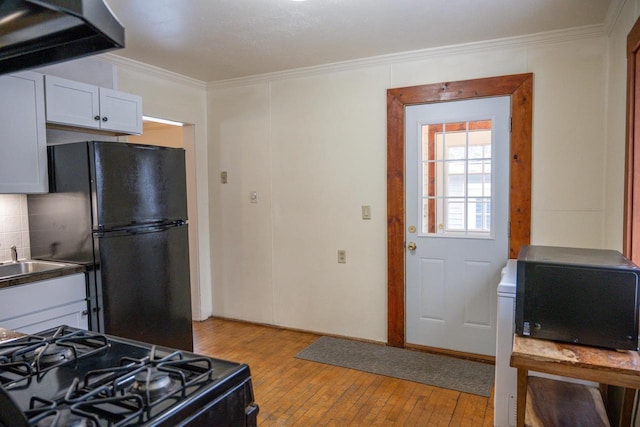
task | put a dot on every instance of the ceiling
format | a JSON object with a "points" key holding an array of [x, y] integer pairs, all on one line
{"points": [[213, 40]]}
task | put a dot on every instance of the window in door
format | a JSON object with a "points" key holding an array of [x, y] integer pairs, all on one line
{"points": [[456, 179]]}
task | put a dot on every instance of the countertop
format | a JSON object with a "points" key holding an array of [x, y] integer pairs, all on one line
{"points": [[43, 275], [7, 334]]}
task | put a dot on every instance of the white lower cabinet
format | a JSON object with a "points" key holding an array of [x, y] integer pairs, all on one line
{"points": [[37, 306]]}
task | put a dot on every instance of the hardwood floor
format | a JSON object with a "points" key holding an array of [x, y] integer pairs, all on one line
{"points": [[294, 392]]}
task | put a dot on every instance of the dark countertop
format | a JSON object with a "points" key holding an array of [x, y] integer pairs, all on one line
{"points": [[43, 275]]}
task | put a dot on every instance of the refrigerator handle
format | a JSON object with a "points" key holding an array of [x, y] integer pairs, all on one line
{"points": [[132, 230]]}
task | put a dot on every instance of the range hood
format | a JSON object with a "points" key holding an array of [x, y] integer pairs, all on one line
{"points": [[35, 33]]}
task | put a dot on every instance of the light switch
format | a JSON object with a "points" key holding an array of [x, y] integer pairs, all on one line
{"points": [[366, 212], [223, 177]]}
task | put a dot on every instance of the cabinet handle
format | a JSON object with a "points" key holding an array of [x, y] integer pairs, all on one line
{"points": [[85, 312], [96, 117], [104, 119]]}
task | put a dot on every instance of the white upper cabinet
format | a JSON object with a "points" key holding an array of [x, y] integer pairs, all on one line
{"points": [[23, 141], [77, 104], [120, 111], [72, 103]]}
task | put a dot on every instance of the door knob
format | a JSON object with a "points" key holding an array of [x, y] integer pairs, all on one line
{"points": [[412, 246]]}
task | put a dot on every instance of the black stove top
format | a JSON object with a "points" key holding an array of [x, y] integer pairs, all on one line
{"points": [[67, 377]]}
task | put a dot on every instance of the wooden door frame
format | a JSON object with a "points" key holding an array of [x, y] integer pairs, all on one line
{"points": [[631, 223], [520, 88]]}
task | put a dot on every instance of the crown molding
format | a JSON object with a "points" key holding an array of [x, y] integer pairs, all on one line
{"points": [[531, 40], [122, 62], [615, 9], [527, 41]]}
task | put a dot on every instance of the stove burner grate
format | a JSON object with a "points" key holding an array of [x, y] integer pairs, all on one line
{"points": [[54, 354], [153, 383], [147, 381], [63, 418], [50, 348], [47, 413], [117, 410]]}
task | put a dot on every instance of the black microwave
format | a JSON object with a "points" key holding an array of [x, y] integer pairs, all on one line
{"points": [[576, 295]]}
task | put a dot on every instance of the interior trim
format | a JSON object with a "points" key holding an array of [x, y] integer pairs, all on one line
{"points": [[517, 42], [631, 223], [520, 88]]}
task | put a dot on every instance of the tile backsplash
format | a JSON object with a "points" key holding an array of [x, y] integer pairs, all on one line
{"points": [[14, 226]]}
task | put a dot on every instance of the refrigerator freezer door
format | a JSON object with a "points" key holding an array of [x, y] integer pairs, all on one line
{"points": [[137, 185], [144, 277]]}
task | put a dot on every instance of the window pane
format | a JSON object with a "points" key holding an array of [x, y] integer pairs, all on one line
{"points": [[476, 185], [454, 215], [455, 185], [480, 142], [480, 214], [429, 218], [455, 152], [476, 166], [455, 167], [428, 152], [476, 151]]}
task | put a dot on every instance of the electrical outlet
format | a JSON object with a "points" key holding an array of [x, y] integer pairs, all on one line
{"points": [[223, 177], [342, 256]]}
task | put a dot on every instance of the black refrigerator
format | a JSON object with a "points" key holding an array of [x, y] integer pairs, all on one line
{"points": [[121, 210]]}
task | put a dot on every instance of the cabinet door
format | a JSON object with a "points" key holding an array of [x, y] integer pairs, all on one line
{"points": [[23, 143], [72, 103], [120, 112], [48, 303], [74, 314]]}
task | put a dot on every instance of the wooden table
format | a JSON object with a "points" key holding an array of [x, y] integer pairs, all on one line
{"points": [[618, 368]]}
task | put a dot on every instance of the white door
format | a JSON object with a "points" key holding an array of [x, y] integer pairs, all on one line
{"points": [[456, 201]]}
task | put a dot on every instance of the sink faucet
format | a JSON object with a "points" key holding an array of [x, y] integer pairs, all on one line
{"points": [[14, 254]]}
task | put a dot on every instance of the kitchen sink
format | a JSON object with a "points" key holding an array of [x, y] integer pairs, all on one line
{"points": [[21, 268]]}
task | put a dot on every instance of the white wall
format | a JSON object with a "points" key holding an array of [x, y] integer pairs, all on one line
{"points": [[241, 231], [313, 144], [568, 169]]}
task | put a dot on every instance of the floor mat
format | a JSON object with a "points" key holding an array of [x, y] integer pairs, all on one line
{"points": [[436, 370]]}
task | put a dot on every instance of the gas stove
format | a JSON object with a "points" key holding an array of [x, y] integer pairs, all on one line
{"points": [[72, 377]]}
